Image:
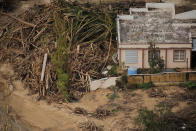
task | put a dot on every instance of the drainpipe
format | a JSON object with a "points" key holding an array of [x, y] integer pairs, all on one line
{"points": [[187, 64], [118, 39]]}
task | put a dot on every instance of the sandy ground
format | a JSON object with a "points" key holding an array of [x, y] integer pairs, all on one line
{"points": [[39, 115], [36, 115]]}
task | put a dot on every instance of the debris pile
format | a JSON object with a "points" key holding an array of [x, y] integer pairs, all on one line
{"points": [[23, 43], [90, 126], [26, 39], [79, 110], [79, 40], [101, 113], [156, 92], [183, 120]]}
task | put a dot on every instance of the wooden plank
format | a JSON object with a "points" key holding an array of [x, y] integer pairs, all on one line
{"points": [[43, 67]]}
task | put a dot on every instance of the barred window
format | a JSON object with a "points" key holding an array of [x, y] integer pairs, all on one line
{"points": [[153, 55], [179, 55]]}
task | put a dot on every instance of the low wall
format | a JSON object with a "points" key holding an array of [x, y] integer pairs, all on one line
{"points": [[103, 83], [162, 78]]}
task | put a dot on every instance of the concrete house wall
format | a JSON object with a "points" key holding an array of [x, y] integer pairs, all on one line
{"points": [[142, 26], [165, 54]]}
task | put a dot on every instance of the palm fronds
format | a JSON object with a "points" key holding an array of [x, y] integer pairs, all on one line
{"points": [[76, 26]]}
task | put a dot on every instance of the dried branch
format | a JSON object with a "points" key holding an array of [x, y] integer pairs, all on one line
{"points": [[39, 34], [19, 20]]}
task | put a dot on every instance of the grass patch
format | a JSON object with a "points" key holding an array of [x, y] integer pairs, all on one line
{"points": [[190, 85], [145, 85], [155, 120], [112, 96], [115, 110]]}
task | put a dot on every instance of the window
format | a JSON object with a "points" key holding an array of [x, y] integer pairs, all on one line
{"points": [[130, 56], [194, 44], [179, 55], [151, 9], [152, 55]]}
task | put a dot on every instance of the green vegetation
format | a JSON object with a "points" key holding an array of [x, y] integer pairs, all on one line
{"points": [[145, 85], [124, 79], [113, 71], [123, 82], [122, 65], [85, 26], [115, 110], [190, 85], [155, 61], [155, 120], [114, 95], [77, 25], [60, 58]]}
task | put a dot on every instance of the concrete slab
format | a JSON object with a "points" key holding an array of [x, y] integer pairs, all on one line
{"points": [[103, 83]]}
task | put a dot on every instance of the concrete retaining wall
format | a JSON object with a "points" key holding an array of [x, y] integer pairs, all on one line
{"points": [[162, 78]]}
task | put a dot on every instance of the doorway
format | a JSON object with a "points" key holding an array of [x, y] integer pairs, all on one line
{"points": [[193, 60]]}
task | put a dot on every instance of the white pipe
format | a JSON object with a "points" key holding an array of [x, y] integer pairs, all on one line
{"points": [[44, 67]]}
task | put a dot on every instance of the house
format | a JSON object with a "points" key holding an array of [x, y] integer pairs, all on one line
{"points": [[157, 23]]}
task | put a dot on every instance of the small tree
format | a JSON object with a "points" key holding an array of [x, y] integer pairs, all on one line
{"points": [[155, 61]]}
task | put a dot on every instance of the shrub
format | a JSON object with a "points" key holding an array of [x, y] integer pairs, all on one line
{"points": [[155, 120], [114, 94], [190, 85], [115, 110], [123, 82], [60, 57], [124, 79], [113, 71], [156, 62], [145, 85], [122, 65]]}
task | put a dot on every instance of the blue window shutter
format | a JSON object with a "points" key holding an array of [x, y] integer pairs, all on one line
{"points": [[131, 56]]}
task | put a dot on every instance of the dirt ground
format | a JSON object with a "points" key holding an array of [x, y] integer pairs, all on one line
{"points": [[20, 111], [31, 114]]}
